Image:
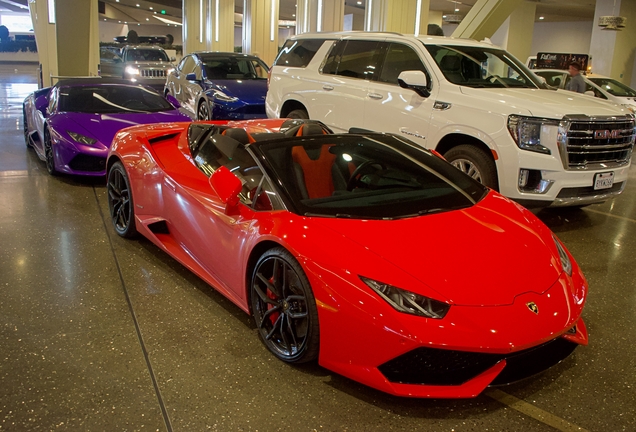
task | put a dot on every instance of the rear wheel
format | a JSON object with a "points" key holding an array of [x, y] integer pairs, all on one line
{"points": [[474, 162], [203, 112], [120, 203], [284, 307], [49, 153], [298, 114]]}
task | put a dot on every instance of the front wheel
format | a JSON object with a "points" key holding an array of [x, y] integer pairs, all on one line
{"points": [[203, 112], [474, 162], [120, 203], [298, 114], [49, 154], [27, 140], [284, 307]]}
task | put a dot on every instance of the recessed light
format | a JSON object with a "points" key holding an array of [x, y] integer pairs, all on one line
{"points": [[359, 2], [541, 18], [119, 22], [147, 19], [125, 22], [443, 16], [104, 19], [456, 9], [137, 5], [294, 15], [150, 7]]}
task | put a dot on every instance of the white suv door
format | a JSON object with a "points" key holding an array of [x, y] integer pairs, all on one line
{"points": [[391, 108], [344, 85]]}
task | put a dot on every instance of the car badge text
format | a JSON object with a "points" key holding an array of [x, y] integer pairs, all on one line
{"points": [[533, 307], [606, 134]]}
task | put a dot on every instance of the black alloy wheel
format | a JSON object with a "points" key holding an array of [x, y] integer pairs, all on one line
{"points": [[120, 203], [49, 154], [284, 307], [27, 140], [203, 113]]}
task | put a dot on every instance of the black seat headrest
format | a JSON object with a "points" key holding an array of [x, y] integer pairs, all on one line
{"points": [[238, 134], [311, 129]]}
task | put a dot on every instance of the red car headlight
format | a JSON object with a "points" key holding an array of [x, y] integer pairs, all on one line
{"points": [[408, 302]]}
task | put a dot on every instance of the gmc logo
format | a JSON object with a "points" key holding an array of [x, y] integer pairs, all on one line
{"points": [[607, 134]]}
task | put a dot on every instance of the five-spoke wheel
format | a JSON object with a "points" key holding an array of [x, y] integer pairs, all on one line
{"points": [[284, 307], [120, 202], [203, 112], [474, 162]]}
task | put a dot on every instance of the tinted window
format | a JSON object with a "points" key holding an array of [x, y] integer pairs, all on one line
{"points": [[554, 79], [475, 66], [367, 177], [298, 53], [141, 54], [330, 65], [399, 58], [234, 68], [359, 59], [614, 87], [105, 99]]}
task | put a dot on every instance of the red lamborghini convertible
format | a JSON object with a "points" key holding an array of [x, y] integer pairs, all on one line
{"points": [[363, 251]]}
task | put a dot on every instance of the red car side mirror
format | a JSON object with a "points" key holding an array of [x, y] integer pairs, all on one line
{"points": [[226, 185]]}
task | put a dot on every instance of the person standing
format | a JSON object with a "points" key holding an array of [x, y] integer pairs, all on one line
{"points": [[577, 83]]}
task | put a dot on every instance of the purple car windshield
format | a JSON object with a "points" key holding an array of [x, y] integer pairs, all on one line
{"points": [[109, 99]]}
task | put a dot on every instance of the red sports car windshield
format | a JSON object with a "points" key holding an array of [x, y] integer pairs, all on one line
{"points": [[369, 177]]}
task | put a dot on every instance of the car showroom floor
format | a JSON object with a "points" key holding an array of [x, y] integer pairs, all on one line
{"points": [[102, 333]]}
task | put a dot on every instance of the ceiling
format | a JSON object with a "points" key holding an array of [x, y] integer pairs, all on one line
{"points": [[142, 11]]}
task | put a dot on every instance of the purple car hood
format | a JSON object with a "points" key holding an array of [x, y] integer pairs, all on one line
{"points": [[103, 127]]}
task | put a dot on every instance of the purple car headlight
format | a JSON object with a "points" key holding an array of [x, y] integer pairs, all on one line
{"points": [[408, 302], [81, 138]]}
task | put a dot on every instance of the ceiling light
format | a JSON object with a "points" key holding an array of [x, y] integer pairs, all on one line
{"points": [[443, 16], [104, 19], [359, 2], [150, 7], [147, 19], [137, 5], [293, 15], [541, 18], [456, 9]]}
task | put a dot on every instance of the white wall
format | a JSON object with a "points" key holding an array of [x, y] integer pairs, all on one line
{"points": [[109, 30], [562, 37]]}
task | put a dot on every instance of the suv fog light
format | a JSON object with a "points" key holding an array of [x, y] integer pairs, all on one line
{"points": [[531, 181]]}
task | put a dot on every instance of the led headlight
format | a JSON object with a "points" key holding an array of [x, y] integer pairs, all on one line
{"points": [[563, 256], [526, 131], [131, 70], [225, 98], [408, 302], [81, 138]]}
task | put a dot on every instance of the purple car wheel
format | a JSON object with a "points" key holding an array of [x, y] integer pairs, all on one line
{"points": [[120, 204], [49, 154], [27, 141], [284, 307]]}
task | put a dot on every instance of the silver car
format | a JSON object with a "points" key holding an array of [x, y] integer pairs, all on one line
{"points": [[143, 64]]}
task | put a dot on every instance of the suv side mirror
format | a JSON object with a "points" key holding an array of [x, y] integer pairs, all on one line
{"points": [[191, 77], [415, 80], [226, 185]]}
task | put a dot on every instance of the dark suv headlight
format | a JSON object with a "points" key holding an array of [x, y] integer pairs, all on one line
{"points": [[408, 302]]}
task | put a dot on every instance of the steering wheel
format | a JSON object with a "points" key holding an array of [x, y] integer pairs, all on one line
{"points": [[364, 166]]}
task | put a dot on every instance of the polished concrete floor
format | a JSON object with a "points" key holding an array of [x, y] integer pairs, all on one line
{"points": [[99, 333]]}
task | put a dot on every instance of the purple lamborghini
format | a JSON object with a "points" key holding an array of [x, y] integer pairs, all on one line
{"points": [[72, 124]]}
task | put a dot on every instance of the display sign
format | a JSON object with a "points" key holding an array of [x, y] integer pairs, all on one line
{"points": [[561, 61]]}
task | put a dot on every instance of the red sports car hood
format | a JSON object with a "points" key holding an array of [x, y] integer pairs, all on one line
{"points": [[485, 255]]}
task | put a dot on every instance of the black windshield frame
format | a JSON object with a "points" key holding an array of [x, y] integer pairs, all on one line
{"points": [[465, 191]]}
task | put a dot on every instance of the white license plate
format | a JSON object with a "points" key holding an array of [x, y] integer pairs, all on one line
{"points": [[603, 180]]}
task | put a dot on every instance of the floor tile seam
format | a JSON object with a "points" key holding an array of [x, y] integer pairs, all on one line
{"points": [[533, 411], [153, 378], [611, 215]]}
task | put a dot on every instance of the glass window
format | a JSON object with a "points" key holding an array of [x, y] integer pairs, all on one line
{"points": [[359, 59], [142, 54], [398, 59], [366, 177], [234, 68], [614, 87], [111, 98], [475, 66], [330, 65], [298, 53], [554, 79]]}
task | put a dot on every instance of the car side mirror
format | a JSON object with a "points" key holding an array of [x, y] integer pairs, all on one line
{"points": [[191, 77], [415, 80], [226, 185], [173, 101]]}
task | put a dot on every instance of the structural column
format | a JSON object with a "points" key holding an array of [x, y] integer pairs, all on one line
{"points": [[485, 17], [515, 34], [77, 33], [319, 16], [260, 28], [208, 25], [612, 52], [401, 16], [44, 29]]}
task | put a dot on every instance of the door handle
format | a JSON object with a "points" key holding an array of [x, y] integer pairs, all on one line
{"points": [[327, 87], [375, 95]]}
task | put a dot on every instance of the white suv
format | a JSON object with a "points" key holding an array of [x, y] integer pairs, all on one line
{"points": [[472, 102]]}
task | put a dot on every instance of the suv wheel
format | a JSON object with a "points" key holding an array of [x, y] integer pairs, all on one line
{"points": [[298, 114], [474, 162]]}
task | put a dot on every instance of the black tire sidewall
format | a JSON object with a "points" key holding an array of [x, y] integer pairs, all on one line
{"points": [[484, 163], [131, 230], [300, 114]]}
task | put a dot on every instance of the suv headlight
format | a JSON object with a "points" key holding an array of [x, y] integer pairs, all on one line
{"points": [[131, 70], [408, 302], [81, 138], [225, 98], [563, 256], [526, 131]]}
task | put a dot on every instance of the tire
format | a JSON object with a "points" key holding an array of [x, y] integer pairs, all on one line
{"points": [[474, 162], [120, 201], [49, 153], [284, 310], [298, 114], [203, 111], [27, 140]]}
